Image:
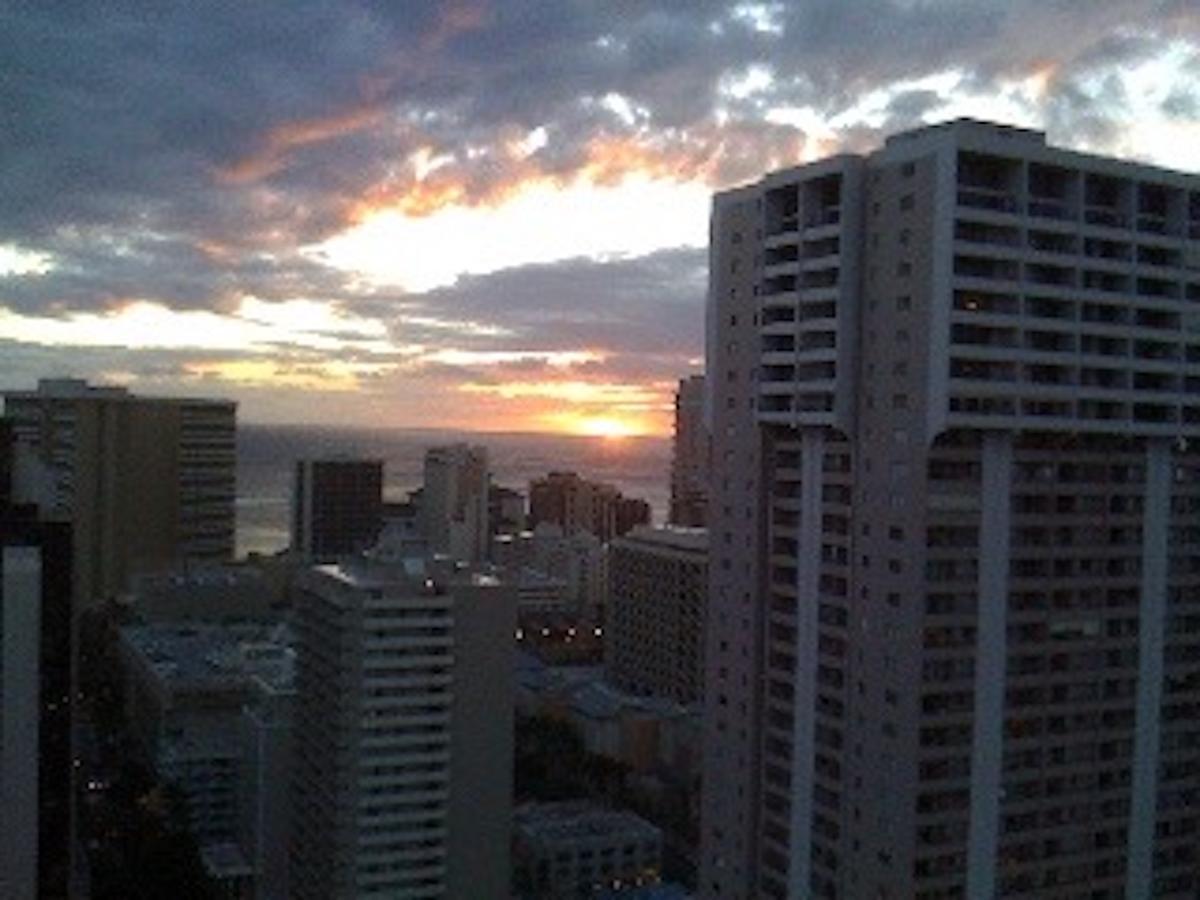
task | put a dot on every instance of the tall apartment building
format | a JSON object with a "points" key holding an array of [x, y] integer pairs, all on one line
{"points": [[145, 482], [403, 740], [689, 457], [36, 641], [654, 625], [954, 641], [454, 502], [578, 504], [337, 507]]}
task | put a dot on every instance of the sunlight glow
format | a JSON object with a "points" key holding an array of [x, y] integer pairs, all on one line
{"points": [[541, 223], [257, 325], [16, 261]]}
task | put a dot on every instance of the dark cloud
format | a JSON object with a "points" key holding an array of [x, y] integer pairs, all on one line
{"points": [[651, 304], [1182, 104]]}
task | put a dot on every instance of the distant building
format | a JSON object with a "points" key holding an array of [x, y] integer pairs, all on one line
{"points": [[146, 482], [574, 849], [577, 504], [337, 507], [689, 458], [453, 502], [36, 641], [578, 560], [243, 592], [654, 629], [506, 510], [630, 513], [403, 730]]}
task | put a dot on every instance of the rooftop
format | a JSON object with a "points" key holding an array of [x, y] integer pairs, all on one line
{"points": [[580, 820], [675, 537], [197, 657]]}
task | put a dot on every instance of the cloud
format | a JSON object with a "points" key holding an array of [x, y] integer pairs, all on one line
{"points": [[188, 159]]}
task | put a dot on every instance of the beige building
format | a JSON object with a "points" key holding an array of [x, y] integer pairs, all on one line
{"points": [[579, 504], [654, 632], [403, 742], [954, 620], [146, 482], [454, 502]]}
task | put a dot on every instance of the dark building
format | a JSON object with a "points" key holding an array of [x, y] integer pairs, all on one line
{"points": [[630, 512], [36, 642], [689, 456], [337, 507]]}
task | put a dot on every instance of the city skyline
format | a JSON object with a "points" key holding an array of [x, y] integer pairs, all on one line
{"points": [[487, 217]]}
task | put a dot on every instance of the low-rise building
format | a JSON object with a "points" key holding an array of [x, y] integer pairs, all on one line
{"points": [[576, 849], [187, 686]]}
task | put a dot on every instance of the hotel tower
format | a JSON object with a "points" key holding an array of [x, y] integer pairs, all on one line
{"points": [[954, 627]]}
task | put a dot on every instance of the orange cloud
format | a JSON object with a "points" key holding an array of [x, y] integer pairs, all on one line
{"points": [[711, 154], [271, 155]]}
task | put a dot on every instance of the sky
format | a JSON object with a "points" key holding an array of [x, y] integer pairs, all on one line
{"points": [[478, 215]]}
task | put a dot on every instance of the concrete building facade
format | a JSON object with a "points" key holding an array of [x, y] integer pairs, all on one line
{"points": [[657, 604], [337, 507], [964, 628], [403, 742], [36, 641], [146, 482], [689, 456]]}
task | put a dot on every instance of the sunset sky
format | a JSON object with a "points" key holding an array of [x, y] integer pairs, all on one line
{"points": [[484, 215]]}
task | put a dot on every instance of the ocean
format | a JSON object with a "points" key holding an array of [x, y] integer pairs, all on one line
{"points": [[267, 454]]}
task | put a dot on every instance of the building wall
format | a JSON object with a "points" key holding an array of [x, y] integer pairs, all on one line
{"points": [[654, 627], [146, 483], [20, 606], [689, 459], [403, 742], [481, 746], [980, 574], [454, 502], [337, 507], [730, 806], [36, 657]]}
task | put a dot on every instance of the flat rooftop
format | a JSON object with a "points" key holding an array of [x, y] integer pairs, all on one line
{"points": [[580, 821], [675, 537], [198, 657]]}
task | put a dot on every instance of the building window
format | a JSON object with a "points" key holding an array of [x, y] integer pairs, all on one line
{"points": [[907, 202]]}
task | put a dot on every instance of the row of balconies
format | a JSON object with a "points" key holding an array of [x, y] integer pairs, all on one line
{"points": [[1068, 278], [1085, 409]]}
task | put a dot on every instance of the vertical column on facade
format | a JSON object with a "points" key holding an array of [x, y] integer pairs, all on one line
{"points": [[1151, 636], [808, 581], [991, 650]]}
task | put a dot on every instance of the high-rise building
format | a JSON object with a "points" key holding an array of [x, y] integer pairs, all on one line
{"points": [[403, 741], [337, 507], [689, 457], [955, 571], [146, 482], [454, 502], [578, 504], [36, 641], [654, 623]]}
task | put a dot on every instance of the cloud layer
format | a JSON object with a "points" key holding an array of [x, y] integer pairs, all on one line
{"points": [[192, 157]]}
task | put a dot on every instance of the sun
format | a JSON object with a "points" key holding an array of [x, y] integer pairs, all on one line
{"points": [[605, 427]]}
